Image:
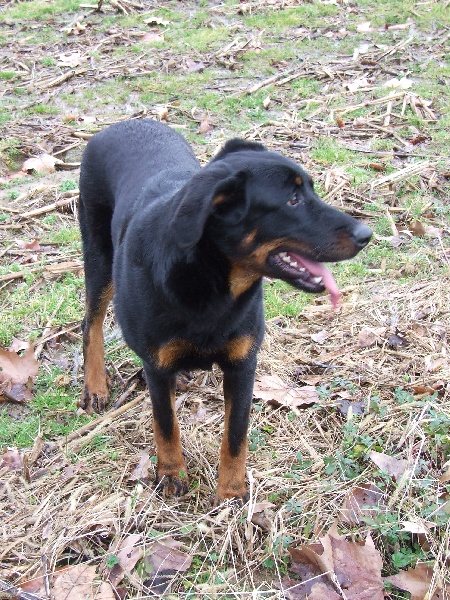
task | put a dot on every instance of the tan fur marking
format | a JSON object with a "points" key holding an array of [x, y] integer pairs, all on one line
{"points": [[239, 348], [169, 451], [231, 482], [94, 352], [249, 238], [298, 180], [220, 199], [171, 352], [241, 279]]}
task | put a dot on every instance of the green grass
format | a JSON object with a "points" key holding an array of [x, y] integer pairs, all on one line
{"points": [[319, 37]]}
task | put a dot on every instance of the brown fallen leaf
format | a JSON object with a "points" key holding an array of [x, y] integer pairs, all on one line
{"points": [[445, 477], [12, 459], [320, 336], [18, 345], [206, 125], [273, 390], [263, 515], [16, 373], [362, 501], [393, 466], [162, 561], [417, 582], [43, 163], [318, 589], [128, 554], [140, 472], [79, 583], [370, 335], [356, 566], [33, 245]]}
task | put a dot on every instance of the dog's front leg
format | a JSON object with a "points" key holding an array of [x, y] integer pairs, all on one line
{"points": [[238, 392], [171, 474]]}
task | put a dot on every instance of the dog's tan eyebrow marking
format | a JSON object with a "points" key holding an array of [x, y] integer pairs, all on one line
{"points": [[249, 238], [219, 199], [298, 180]]}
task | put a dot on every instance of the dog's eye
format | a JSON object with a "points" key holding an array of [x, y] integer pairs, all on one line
{"points": [[293, 201]]}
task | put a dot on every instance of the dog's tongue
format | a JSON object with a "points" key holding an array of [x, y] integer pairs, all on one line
{"points": [[320, 270]]}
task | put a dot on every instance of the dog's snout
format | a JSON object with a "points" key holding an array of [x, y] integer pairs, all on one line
{"points": [[361, 235]]}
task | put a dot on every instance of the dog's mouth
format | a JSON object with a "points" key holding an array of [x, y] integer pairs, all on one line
{"points": [[304, 274]]}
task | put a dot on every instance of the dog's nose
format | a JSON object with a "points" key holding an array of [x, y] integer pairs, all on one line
{"points": [[361, 235]]}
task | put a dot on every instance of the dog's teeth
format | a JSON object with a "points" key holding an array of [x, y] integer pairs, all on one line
{"points": [[302, 270], [286, 259], [294, 264], [282, 254], [317, 279]]}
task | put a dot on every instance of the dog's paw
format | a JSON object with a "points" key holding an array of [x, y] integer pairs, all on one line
{"points": [[173, 486], [93, 403], [238, 499]]}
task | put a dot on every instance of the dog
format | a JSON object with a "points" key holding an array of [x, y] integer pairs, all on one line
{"points": [[184, 250]]}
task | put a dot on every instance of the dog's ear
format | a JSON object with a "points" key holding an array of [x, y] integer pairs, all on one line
{"points": [[214, 189]]}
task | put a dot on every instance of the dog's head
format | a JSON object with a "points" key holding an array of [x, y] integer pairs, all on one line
{"points": [[260, 209]]}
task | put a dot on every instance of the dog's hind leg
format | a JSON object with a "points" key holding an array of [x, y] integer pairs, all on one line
{"points": [[97, 250], [171, 475]]}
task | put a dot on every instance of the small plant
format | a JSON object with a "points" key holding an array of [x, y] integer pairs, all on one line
{"points": [[67, 185], [112, 560]]}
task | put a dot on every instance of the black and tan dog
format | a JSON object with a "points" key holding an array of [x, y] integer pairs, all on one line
{"points": [[184, 250]]}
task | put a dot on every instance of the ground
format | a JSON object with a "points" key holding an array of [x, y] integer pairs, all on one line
{"points": [[349, 439]]}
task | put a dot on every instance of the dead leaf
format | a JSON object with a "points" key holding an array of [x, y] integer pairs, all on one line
{"points": [[206, 125], [128, 555], [162, 560], [357, 84], [415, 581], [18, 345], [263, 515], [191, 66], [33, 245], [445, 477], [43, 163], [317, 589], [140, 472], [362, 501], [393, 466], [198, 413], [71, 60], [417, 228], [267, 102], [12, 459], [154, 20], [320, 336], [370, 336], [16, 373], [399, 84], [273, 390], [433, 364], [356, 565], [364, 27], [79, 583]]}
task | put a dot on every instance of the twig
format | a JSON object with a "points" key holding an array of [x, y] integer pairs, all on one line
{"points": [[101, 420], [48, 208], [268, 81]]}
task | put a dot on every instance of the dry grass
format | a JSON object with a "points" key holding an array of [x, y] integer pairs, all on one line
{"points": [[77, 502]]}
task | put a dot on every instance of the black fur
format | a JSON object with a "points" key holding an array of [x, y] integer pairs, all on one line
{"points": [[175, 238]]}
